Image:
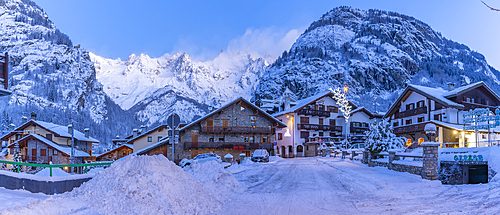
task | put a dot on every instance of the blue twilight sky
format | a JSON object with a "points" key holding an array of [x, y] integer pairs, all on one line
{"points": [[118, 28]]}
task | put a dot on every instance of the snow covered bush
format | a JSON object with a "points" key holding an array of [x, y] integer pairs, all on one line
{"points": [[380, 137]]}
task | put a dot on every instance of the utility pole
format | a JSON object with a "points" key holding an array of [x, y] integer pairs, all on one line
{"points": [[72, 159]]}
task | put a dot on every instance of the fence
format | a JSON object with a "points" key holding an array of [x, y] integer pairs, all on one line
{"points": [[18, 165]]}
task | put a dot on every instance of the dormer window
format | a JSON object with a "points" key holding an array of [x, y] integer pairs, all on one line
{"points": [[243, 109]]}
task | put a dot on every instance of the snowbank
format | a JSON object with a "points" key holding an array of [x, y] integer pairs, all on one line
{"points": [[55, 172], [494, 162], [132, 185], [215, 178]]}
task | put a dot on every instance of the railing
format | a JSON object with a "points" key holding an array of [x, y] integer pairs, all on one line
{"points": [[40, 159], [358, 129], [311, 112], [412, 112], [409, 128], [319, 127], [227, 145], [236, 129], [18, 165]]}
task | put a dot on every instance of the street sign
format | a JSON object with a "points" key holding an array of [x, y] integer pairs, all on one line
{"points": [[275, 143], [173, 121], [170, 132]]}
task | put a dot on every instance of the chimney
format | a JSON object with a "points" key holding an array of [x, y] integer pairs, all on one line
{"points": [[24, 119], [87, 132], [11, 127], [70, 129], [451, 86], [143, 128], [33, 115], [135, 131]]}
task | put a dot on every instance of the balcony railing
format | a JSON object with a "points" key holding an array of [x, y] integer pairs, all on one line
{"points": [[319, 127], [412, 112], [236, 129], [227, 145], [36, 159], [311, 112], [409, 128], [359, 129]]}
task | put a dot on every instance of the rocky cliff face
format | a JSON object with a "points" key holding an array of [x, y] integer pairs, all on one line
{"points": [[376, 54], [48, 75]]}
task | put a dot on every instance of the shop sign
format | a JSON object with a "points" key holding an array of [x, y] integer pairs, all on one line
{"points": [[481, 118], [468, 157]]}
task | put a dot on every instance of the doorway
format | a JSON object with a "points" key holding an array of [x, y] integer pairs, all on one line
{"points": [[478, 174], [300, 151]]}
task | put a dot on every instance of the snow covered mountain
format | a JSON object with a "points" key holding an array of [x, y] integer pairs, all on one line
{"points": [[50, 76], [152, 88], [376, 54]]}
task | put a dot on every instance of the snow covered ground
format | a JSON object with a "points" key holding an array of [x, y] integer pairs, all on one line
{"points": [[289, 186]]}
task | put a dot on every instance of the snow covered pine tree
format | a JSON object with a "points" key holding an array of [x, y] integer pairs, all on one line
{"points": [[17, 158], [380, 138]]}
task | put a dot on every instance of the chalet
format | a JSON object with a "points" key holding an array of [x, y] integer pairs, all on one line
{"points": [[43, 142], [236, 127], [163, 147], [116, 153], [317, 120], [420, 105], [143, 138]]}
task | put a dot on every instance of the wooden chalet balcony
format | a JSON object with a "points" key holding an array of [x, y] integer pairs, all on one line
{"points": [[411, 112], [36, 159], [236, 129], [311, 112], [409, 128], [358, 129], [319, 127], [227, 145]]}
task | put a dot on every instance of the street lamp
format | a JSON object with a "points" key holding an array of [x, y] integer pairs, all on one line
{"points": [[430, 130]]}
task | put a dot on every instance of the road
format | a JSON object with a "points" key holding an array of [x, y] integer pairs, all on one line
{"points": [[334, 186]]}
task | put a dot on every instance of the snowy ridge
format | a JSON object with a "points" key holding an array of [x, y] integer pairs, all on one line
{"points": [[376, 54]]}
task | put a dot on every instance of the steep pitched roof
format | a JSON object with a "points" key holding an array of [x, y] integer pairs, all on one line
{"points": [[369, 113], [116, 149], [307, 101], [147, 132], [469, 87], [248, 105], [162, 142], [58, 130], [61, 148], [436, 94]]}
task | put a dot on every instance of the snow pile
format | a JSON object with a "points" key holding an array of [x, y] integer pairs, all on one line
{"points": [[55, 172], [215, 178], [494, 162], [146, 185]]}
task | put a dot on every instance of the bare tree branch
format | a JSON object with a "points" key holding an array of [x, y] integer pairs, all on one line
{"points": [[490, 7]]}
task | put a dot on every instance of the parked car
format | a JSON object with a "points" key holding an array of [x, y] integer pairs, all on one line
{"points": [[201, 158], [260, 155], [358, 147]]}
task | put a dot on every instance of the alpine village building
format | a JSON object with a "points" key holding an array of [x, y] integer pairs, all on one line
{"points": [[44, 142], [420, 105], [314, 122]]}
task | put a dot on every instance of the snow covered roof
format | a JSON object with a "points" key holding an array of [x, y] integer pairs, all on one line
{"points": [[307, 101], [147, 132], [130, 146], [466, 88], [250, 105], [163, 141], [59, 130], [369, 113], [61, 148]]}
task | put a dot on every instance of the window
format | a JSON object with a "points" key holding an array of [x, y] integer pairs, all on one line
{"points": [[395, 124], [150, 139], [331, 109], [420, 119], [55, 152], [251, 139], [243, 109], [265, 139], [43, 152], [252, 123], [332, 122], [49, 137], [280, 136], [437, 117], [221, 138], [225, 123], [304, 134], [332, 134], [467, 99], [410, 106], [320, 121], [408, 121], [211, 138], [245, 139], [320, 134], [304, 120], [420, 104], [336, 110], [472, 100], [159, 138], [321, 107]]}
